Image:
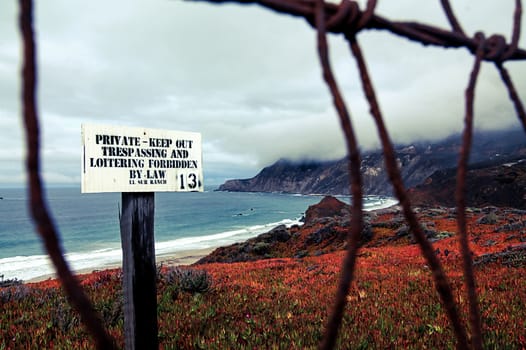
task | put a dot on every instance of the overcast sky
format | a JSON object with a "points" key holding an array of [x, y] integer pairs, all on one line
{"points": [[247, 78]]}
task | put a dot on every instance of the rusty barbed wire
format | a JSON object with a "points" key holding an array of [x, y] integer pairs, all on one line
{"points": [[448, 10], [354, 163], [516, 33], [421, 33], [347, 18], [343, 18], [38, 207], [441, 283], [512, 92], [474, 312]]}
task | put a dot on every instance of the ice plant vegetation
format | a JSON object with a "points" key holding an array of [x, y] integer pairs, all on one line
{"points": [[285, 302]]}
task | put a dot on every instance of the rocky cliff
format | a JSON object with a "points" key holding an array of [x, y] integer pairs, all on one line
{"points": [[312, 177], [417, 162], [502, 185]]}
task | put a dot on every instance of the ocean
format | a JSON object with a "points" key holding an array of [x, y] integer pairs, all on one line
{"points": [[184, 222]]}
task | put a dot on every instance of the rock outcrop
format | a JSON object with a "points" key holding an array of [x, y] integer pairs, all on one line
{"points": [[501, 185], [326, 230], [324, 222]]}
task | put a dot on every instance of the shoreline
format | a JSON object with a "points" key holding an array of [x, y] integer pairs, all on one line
{"points": [[178, 258], [182, 258]]}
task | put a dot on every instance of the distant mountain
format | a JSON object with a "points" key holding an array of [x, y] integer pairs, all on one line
{"points": [[417, 162]]}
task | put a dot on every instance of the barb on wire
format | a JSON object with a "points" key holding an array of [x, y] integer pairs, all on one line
{"points": [[422, 33], [451, 17], [347, 274], [516, 33], [367, 14], [504, 75], [441, 283], [474, 313], [38, 207], [512, 92], [346, 14]]}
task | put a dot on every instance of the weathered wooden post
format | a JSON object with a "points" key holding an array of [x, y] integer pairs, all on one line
{"points": [[139, 162], [139, 271]]}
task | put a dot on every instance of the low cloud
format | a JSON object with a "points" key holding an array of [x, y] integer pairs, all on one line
{"points": [[247, 78]]}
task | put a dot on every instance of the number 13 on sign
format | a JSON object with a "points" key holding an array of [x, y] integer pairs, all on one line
{"points": [[188, 181]]}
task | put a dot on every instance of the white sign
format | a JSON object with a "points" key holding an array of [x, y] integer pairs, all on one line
{"points": [[124, 159]]}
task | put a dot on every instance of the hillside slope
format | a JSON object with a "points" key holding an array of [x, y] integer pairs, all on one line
{"points": [[326, 227], [501, 185]]}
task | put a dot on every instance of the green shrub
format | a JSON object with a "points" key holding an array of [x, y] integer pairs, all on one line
{"points": [[188, 280], [14, 293], [9, 282]]}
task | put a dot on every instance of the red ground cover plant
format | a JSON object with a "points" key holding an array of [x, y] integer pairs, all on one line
{"points": [[285, 302]]}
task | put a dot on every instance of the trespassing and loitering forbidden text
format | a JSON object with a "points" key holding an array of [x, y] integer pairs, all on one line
{"points": [[125, 159]]}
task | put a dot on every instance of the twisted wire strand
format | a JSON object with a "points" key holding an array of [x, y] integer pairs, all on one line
{"points": [[516, 33], [474, 312], [346, 13], [504, 75], [355, 229], [441, 283], [38, 206], [451, 17], [512, 93], [418, 32], [345, 18], [367, 14]]}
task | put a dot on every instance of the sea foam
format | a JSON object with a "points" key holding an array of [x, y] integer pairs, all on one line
{"points": [[37, 266], [184, 223]]}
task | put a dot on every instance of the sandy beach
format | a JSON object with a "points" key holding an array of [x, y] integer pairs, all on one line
{"points": [[183, 258], [186, 257]]}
